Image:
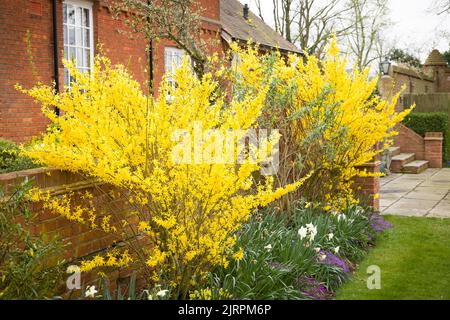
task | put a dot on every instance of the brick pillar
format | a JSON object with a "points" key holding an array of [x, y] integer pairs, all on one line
{"points": [[433, 148], [368, 188]]}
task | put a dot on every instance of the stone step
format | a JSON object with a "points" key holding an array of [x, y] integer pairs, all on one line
{"points": [[394, 151], [417, 166], [399, 161]]}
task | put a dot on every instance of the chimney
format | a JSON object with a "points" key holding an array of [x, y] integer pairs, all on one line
{"points": [[246, 11]]}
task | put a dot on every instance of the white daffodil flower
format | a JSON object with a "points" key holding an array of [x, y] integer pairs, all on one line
{"points": [[312, 231], [162, 293], [268, 247], [322, 257], [317, 250], [302, 232], [330, 236], [336, 250], [90, 292]]}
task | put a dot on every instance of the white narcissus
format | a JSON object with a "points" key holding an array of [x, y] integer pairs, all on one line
{"points": [[302, 232], [162, 293], [90, 292]]}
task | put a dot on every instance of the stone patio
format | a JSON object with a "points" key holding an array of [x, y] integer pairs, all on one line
{"points": [[417, 195]]}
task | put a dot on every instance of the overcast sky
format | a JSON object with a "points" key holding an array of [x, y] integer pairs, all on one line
{"points": [[415, 27]]}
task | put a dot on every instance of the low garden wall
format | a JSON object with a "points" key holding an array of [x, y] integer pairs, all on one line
{"points": [[82, 242], [368, 188], [427, 148]]}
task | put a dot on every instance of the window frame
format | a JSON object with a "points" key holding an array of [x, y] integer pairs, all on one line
{"points": [[170, 73], [83, 4]]}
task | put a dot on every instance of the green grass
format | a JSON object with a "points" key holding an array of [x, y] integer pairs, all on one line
{"points": [[414, 259]]}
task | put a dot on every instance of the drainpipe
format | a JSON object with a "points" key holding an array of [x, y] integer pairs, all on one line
{"points": [[55, 49], [150, 53], [150, 59]]}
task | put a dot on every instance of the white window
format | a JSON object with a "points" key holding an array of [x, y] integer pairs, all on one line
{"points": [[173, 57], [78, 35]]}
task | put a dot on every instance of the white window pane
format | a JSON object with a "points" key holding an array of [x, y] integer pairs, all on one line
{"points": [[78, 37], [86, 38], [65, 35], [72, 53], [66, 52], [71, 36], [70, 14], [66, 76], [85, 20], [87, 58], [79, 57], [64, 13], [78, 16]]}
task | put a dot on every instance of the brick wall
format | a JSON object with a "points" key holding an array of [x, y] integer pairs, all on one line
{"points": [[413, 81], [409, 141], [83, 242], [368, 188], [80, 241], [20, 117], [433, 148], [428, 148]]}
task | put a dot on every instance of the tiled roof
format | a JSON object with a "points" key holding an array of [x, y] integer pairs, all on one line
{"points": [[435, 59], [238, 28]]}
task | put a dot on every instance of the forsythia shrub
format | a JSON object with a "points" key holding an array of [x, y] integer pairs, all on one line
{"points": [[111, 131], [330, 121]]}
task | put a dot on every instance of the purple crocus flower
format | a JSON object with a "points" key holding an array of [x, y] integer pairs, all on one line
{"points": [[331, 259], [313, 289], [379, 224]]}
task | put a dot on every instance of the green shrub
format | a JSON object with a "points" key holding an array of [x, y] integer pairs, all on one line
{"points": [[30, 268], [10, 158], [279, 264], [423, 122]]}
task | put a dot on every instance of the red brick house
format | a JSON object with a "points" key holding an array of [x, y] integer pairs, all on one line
{"points": [[79, 26]]}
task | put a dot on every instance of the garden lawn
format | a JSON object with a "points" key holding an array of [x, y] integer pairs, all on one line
{"points": [[414, 258]]}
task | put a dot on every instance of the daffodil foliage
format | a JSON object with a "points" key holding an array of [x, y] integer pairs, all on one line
{"points": [[111, 131]]}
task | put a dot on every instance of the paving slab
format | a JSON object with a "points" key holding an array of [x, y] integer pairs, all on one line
{"points": [[422, 195], [442, 210], [385, 203], [411, 207], [419, 195]]}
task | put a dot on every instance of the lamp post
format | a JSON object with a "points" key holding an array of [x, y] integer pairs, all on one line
{"points": [[385, 66]]}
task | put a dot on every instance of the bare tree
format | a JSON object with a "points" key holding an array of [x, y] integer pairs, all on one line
{"points": [[284, 14], [368, 19], [175, 20], [317, 21], [441, 6], [309, 23], [259, 7]]}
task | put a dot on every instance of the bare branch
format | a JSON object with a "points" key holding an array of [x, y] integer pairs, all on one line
{"points": [[175, 20]]}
